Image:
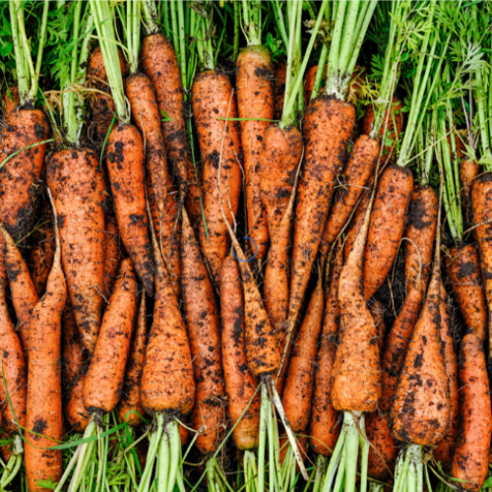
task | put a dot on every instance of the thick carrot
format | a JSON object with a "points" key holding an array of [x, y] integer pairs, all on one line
{"points": [[160, 64], [387, 226], [420, 409], [160, 189], [19, 187], [279, 90], [14, 372], [104, 379], [445, 449], [470, 460], [299, 384], [420, 233], [254, 100], [463, 268], [203, 321], [356, 224], [482, 213], [468, 172], [240, 385], [112, 253], [24, 295], [324, 425], [323, 161], [359, 168], [130, 402], [125, 161], [75, 180], [219, 141], [44, 413]]}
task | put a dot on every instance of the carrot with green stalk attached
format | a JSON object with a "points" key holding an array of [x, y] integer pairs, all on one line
{"points": [[44, 417]]}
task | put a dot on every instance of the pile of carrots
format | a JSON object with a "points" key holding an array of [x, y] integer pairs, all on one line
{"points": [[245, 245]]}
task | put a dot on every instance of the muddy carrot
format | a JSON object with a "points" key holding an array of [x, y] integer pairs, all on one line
{"points": [[279, 90], [112, 253]]}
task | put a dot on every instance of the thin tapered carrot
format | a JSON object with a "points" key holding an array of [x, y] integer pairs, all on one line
{"points": [[161, 192], [420, 233], [73, 351], [377, 312], [279, 90], [240, 385], [356, 224], [112, 253], [44, 413], [387, 226], [219, 141], [125, 162], [104, 379], [470, 460], [130, 407], [75, 181], [254, 100], [469, 170], [77, 414], [325, 420], [463, 268], [24, 295], [445, 449], [203, 321]]}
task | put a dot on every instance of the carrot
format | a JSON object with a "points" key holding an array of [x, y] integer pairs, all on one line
{"points": [[420, 233], [387, 226], [463, 268], [130, 402], [103, 107], [470, 460], [73, 352], [104, 379], [468, 172], [24, 295], [75, 181], [19, 176], [213, 98], [254, 100], [160, 189], [359, 168], [324, 426], [44, 417], [14, 372], [323, 161], [77, 415], [160, 64], [309, 80], [41, 253], [240, 385], [356, 224], [112, 253], [202, 317], [481, 197], [377, 312], [279, 90], [444, 451], [125, 161]]}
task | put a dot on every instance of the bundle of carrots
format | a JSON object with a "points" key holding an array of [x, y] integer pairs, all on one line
{"points": [[245, 245]]}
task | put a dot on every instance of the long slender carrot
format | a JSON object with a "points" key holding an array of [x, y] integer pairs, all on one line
{"points": [[11, 100], [470, 460], [377, 312], [112, 253], [160, 189], [125, 161], [104, 380], [77, 414], [130, 405], [445, 449], [240, 385], [463, 268], [24, 295], [468, 172], [387, 226], [254, 100], [219, 142], [75, 181], [44, 396], [356, 224], [203, 321], [279, 90]]}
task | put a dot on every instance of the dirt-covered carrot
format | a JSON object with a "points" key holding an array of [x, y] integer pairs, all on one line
{"points": [[470, 460], [356, 224], [44, 415], [463, 268], [112, 253], [240, 385], [74, 179], [469, 170], [130, 407], [279, 89], [24, 295], [11, 101]]}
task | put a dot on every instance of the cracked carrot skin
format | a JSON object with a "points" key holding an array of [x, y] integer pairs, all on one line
{"points": [[470, 460], [219, 141], [75, 181], [254, 100]]}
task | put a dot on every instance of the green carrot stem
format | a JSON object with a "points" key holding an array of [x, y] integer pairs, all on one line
{"points": [[150, 16]]}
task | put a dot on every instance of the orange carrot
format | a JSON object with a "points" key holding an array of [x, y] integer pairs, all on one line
{"points": [[112, 253], [356, 224], [11, 100], [468, 172], [279, 90]]}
